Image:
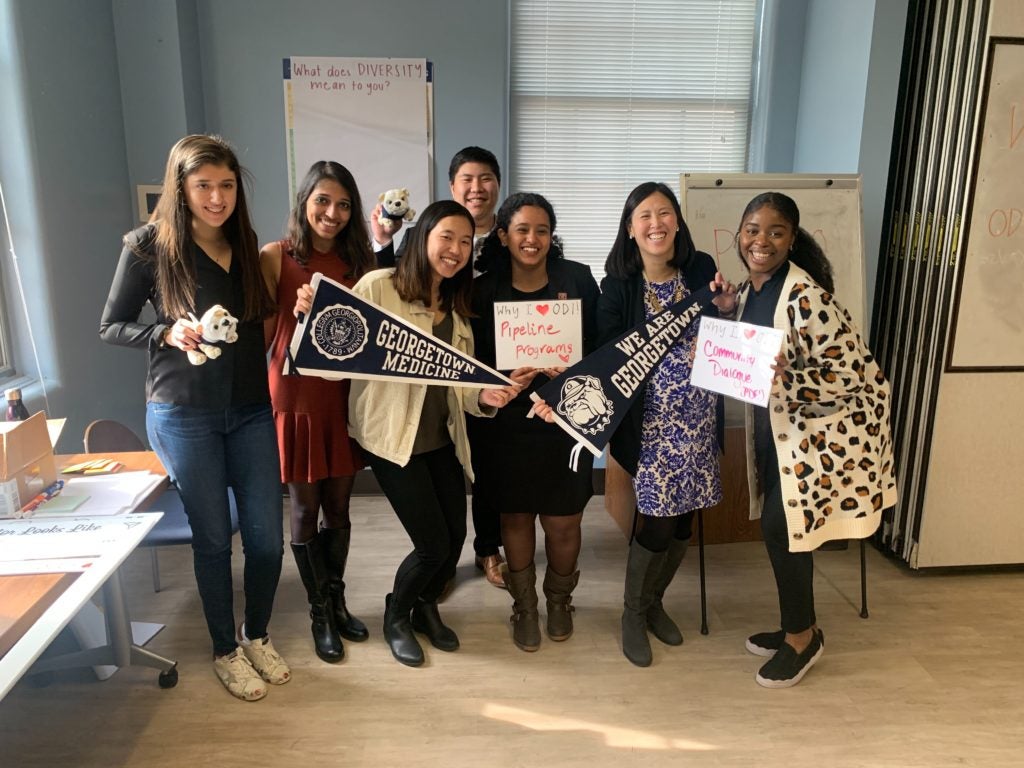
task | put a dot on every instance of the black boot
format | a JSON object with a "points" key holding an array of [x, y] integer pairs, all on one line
{"points": [[427, 620], [398, 632], [310, 561], [336, 543], [658, 621], [637, 600]]}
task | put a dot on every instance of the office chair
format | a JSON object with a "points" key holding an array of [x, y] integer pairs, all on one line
{"points": [[109, 436]]}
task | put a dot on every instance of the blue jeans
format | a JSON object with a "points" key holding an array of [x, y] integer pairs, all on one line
{"points": [[206, 451]]}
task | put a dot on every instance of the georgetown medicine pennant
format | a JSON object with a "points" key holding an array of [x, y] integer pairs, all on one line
{"points": [[344, 336], [591, 398]]}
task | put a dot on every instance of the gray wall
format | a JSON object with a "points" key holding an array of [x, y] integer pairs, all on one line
{"points": [[832, 88], [99, 91], [94, 92]]}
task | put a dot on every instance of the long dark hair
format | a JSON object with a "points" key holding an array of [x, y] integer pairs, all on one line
{"points": [[353, 242], [494, 255], [624, 259], [172, 221], [412, 277], [806, 252]]}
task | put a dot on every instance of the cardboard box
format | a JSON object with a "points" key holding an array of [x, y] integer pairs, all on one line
{"points": [[27, 464]]}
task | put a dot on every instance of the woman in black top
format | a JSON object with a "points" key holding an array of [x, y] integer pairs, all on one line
{"points": [[522, 465], [210, 423]]}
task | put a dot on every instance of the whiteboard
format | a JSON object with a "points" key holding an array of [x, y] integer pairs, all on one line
{"points": [[830, 209], [372, 115], [988, 332]]}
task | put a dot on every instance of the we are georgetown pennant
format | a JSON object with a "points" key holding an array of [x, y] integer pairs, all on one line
{"points": [[591, 398], [344, 336]]}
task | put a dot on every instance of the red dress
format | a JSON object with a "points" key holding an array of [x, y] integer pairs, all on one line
{"points": [[311, 414]]}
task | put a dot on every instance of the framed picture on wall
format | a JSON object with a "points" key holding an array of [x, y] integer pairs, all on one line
{"points": [[147, 196]]}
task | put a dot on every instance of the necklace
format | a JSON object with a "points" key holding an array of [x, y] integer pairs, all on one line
{"points": [[651, 297]]}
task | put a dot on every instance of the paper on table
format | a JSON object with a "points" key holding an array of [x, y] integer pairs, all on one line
{"points": [[30, 539], [64, 504], [111, 494]]}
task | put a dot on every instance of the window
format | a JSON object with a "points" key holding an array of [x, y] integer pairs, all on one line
{"points": [[606, 94]]}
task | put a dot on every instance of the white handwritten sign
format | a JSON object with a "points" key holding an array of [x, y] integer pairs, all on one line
{"points": [[541, 334], [735, 359]]}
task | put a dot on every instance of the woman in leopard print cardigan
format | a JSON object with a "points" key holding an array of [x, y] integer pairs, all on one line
{"points": [[819, 456]]}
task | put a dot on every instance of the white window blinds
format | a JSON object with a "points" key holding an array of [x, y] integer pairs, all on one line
{"points": [[606, 94]]}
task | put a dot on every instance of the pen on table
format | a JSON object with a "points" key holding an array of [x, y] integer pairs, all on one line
{"points": [[48, 493]]}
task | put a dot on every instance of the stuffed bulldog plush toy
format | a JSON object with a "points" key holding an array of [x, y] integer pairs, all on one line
{"points": [[394, 207], [218, 325]]}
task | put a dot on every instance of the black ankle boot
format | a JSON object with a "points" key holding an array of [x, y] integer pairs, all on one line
{"points": [[309, 560], [336, 541], [398, 632], [427, 619]]}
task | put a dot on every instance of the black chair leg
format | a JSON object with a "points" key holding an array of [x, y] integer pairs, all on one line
{"points": [[863, 581], [703, 583]]}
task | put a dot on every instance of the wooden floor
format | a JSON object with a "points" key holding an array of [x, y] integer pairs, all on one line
{"points": [[934, 678]]}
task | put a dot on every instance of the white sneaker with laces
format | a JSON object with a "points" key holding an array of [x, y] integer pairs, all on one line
{"points": [[265, 659], [237, 674]]}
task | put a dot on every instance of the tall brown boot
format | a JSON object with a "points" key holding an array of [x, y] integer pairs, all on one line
{"points": [[336, 542], [309, 559], [522, 585], [558, 591]]}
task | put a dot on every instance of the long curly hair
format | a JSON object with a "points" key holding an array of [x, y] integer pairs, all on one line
{"points": [[494, 255]]}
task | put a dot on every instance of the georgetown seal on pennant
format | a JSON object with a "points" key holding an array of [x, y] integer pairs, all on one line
{"points": [[339, 332]]}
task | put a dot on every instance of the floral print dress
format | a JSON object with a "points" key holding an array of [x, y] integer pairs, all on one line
{"points": [[678, 468]]}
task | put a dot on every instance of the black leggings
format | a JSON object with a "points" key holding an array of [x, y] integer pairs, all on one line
{"points": [[656, 533], [794, 571], [429, 496]]}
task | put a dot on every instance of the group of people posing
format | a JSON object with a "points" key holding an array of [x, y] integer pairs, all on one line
{"points": [[819, 455]]}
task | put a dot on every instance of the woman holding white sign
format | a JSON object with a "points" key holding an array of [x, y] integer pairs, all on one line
{"points": [[819, 456], [670, 440], [522, 464], [414, 435]]}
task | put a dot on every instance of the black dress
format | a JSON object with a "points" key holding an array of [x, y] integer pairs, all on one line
{"points": [[521, 464]]}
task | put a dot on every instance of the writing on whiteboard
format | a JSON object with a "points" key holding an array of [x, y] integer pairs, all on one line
{"points": [[367, 77]]}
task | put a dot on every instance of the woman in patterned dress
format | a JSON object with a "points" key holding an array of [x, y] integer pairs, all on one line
{"points": [[670, 439]]}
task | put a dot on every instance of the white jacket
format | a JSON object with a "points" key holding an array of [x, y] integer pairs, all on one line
{"points": [[383, 416]]}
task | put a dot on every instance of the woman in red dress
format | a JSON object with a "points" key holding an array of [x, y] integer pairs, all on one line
{"points": [[326, 233]]}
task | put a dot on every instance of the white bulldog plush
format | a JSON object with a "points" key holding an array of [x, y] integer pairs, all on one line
{"points": [[394, 206], [218, 325]]}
